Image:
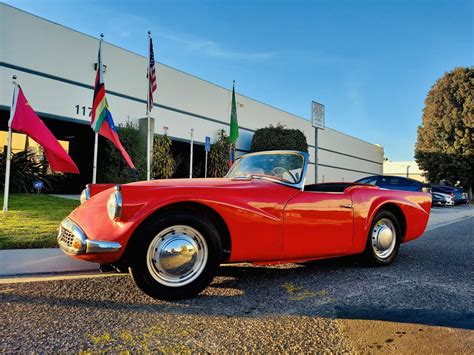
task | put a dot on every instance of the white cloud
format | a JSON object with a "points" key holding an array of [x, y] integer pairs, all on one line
{"points": [[213, 49]]}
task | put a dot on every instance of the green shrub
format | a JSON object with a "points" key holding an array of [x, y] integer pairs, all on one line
{"points": [[163, 164], [24, 171], [112, 166], [278, 138], [219, 156]]}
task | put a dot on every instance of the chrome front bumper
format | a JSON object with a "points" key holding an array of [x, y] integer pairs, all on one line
{"points": [[73, 240]]}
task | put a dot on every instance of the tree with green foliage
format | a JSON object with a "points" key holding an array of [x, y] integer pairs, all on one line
{"points": [[219, 156], [163, 164], [111, 165], [278, 138], [444, 149]]}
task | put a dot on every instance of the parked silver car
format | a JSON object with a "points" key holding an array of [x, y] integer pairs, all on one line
{"points": [[450, 200]]}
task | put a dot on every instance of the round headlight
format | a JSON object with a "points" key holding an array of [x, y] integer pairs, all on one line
{"points": [[114, 204], [85, 194]]}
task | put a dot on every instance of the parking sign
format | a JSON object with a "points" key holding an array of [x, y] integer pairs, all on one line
{"points": [[207, 145], [317, 115]]}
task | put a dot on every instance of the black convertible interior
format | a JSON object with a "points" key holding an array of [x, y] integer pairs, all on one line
{"points": [[330, 187]]}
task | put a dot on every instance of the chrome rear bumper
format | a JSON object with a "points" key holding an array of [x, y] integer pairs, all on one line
{"points": [[73, 240]]}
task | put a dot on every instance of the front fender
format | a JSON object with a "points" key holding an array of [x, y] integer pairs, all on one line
{"points": [[253, 215]]}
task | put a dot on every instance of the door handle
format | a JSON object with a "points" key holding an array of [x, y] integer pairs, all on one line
{"points": [[349, 205]]}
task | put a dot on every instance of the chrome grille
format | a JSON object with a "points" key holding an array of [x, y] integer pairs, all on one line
{"points": [[65, 237]]}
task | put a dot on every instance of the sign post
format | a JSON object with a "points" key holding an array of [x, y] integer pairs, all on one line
{"points": [[317, 119], [38, 185], [207, 147]]}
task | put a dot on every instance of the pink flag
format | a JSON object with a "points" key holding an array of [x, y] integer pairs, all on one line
{"points": [[23, 119]]}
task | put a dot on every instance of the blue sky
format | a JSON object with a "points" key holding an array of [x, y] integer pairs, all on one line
{"points": [[371, 62]]}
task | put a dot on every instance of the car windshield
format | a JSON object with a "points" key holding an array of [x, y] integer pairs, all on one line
{"points": [[286, 167]]}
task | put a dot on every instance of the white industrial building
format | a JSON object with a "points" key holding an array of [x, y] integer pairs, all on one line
{"points": [[55, 66], [404, 168]]}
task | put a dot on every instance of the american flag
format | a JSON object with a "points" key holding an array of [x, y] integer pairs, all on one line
{"points": [[151, 77]]}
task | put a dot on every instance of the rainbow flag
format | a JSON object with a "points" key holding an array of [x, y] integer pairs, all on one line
{"points": [[101, 120]]}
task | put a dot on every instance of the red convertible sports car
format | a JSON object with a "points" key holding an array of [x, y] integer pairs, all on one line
{"points": [[173, 234]]}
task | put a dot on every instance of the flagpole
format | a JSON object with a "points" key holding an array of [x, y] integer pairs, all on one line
{"points": [[96, 136], [9, 153], [191, 154], [94, 166], [148, 135]]}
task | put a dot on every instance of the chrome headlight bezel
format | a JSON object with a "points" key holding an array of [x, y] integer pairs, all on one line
{"points": [[85, 194], [114, 204]]}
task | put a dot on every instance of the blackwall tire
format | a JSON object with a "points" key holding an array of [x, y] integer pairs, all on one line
{"points": [[175, 255], [383, 240]]}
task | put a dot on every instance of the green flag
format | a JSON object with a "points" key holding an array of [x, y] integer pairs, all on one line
{"points": [[234, 127]]}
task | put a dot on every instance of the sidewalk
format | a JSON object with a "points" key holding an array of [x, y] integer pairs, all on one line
{"points": [[440, 217], [18, 262], [69, 197]]}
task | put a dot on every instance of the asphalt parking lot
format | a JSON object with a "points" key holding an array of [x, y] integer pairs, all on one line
{"points": [[423, 301]]}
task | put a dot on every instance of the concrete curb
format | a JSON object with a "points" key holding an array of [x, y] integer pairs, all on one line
{"points": [[18, 262]]}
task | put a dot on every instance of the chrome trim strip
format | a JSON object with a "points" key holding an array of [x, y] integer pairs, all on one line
{"points": [[99, 246], [349, 205]]}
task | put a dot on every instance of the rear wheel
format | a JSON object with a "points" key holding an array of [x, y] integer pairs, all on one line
{"points": [[175, 256], [383, 240]]}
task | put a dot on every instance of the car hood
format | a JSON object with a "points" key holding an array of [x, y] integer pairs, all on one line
{"points": [[186, 183]]}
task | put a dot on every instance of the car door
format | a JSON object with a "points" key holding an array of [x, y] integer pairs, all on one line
{"points": [[317, 224]]}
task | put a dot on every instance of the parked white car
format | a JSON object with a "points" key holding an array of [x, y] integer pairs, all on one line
{"points": [[450, 201]]}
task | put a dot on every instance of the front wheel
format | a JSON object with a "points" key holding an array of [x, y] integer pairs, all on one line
{"points": [[176, 256], [383, 241]]}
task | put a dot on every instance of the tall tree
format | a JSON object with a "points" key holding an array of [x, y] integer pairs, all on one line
{"points": [[444, 148]]}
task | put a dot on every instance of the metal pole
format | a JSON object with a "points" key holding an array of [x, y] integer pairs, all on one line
{"points": [[96, 136], [191, 155], [408, 171], [316, 155], [9, 149], [94, 164], [205, 166], [148, 135], [148, 147], [7, 171]]}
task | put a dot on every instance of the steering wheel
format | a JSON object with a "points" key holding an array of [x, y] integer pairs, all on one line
{"points": [[279, 171]]}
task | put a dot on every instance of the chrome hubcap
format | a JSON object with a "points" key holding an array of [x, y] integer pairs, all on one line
{"points": [[177, 256], [384, 238]]}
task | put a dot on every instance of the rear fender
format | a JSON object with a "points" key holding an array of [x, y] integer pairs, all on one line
{"points": [[414, 207]]}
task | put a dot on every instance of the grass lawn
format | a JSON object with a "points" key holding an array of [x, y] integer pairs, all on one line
{"points": [[32, 220]]}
